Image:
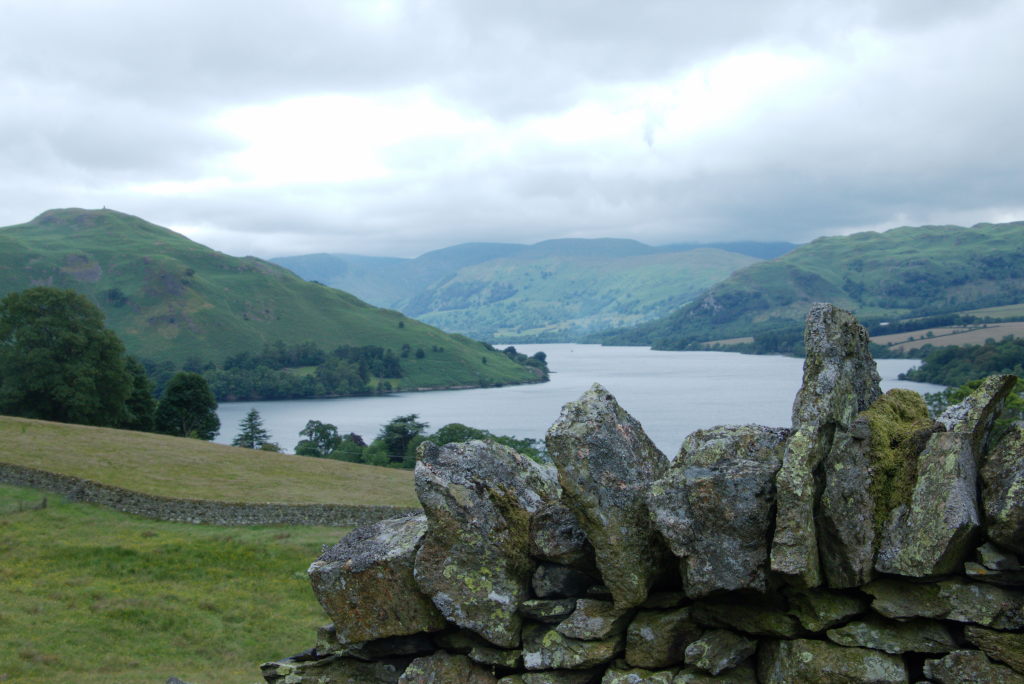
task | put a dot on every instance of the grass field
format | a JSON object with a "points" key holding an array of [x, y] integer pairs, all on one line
{"points": [[944, 337], [1009, 311], [192, 469], [94, 596]]}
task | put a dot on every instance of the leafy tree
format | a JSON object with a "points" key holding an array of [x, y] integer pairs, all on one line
{"points": [[252, 434], [188, 408], [351, 449], [457, 432], [58, 361], [321, 439], [140, 406], [397, 435]]}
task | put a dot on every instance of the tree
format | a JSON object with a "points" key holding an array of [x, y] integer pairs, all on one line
{"points": [[140, 406], [252, 434], [188, 408], [398, 434], [58, 361], [321, 439]]}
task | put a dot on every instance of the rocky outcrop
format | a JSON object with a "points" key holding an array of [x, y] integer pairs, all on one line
{"points": [[616, 567]]}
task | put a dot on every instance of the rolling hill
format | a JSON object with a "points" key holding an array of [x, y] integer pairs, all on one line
{"points": [[556, 290], [897, 274], [171, 299]]}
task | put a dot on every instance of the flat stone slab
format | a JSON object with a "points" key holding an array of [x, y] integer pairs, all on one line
{"points": [[807, 661]]}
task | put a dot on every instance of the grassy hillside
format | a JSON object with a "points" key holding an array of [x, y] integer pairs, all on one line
{"points": [[193, 469], [556, 290], [904, 272], [94, 596], [562, 295], [170, 298]]}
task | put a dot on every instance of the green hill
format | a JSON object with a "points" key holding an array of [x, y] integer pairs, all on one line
{"points": [[172, 299], [901, 273], [557, 290]]}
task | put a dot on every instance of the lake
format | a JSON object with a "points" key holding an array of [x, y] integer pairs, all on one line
{"points": [[670, 393]]}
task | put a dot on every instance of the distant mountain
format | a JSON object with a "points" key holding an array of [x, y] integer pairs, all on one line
{"points": [[170, 298], [904, 272], [556, 290]]}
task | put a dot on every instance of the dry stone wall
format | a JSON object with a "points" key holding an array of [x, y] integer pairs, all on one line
{"points": [[195, 510], [865, 543]]}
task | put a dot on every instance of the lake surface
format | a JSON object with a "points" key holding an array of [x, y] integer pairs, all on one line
{"points": [[670, 393]]}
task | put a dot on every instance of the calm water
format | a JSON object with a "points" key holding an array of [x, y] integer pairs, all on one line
{"points": [[670, 393]]}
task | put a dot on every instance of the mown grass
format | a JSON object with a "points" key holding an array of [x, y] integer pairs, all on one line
{"points": [[193, 469], [90, 595]]}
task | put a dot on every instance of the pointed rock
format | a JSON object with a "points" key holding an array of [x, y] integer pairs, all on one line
{"points": [[1002, 492], [715, 507], [365, 583], [605, 465], [840, 381], [473, 561]]}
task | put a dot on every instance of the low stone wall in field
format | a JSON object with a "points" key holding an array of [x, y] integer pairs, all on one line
{"points": [[195, 511]]}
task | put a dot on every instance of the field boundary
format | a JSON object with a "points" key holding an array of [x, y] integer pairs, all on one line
{"points": [[198, 511]]}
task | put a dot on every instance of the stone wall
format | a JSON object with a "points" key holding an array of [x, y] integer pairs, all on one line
{"points": [[195, 511], [867, 542]]}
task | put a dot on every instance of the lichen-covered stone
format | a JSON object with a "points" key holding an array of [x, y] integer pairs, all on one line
{"points": [[747, 617], [975, 415], [954, 599], [969, 666], [658, 638], [555, 677], [820, 609], [1006, 647], [806, 661], [741, 674], [934, 533], [605, 465], [919, 635], [869, 472], [365, 582], [1002, 492], [593, 619], [446, 668], [840, 381], [556, 537], [474, 559], [715, 507], [389, 647], [547, 610], [718, 650], [623, 674], [558, 581], [332, 670], [546, 649], [509, 659]]}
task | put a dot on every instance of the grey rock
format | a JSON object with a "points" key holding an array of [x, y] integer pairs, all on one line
{"points": [[593, 619], [820, 609], [623, 674], [497, 657], [446, 668], [719, 650], [605, 465], [969, 666], [742, 674], [1002, 493], [1006, 647], [934, 534], [715, 507], [561, 677], [993, 558], [365, 583], [840, 381], [658, 638], [389, 647], [546, 649], [805, 661], [869, 472], [474, 560], [547, 610], [558, 581], [919, 636], [556, 537], [955, 599], [975, 415], [747, 617], [333, 670], [1006, 578]]}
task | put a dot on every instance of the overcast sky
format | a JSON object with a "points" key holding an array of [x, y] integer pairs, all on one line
{"points": [[288, 127]]}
